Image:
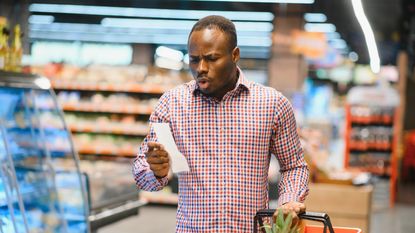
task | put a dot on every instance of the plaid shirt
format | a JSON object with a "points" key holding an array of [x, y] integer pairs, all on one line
{"points": [[227, 144]]}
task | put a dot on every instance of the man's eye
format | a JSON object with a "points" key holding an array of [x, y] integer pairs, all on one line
{"points": [[194, 60], [212, 58]]}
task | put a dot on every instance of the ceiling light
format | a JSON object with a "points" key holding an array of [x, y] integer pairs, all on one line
{"points": [[148, 12], [186, 58], [369, 36], [338, 43], [43, 83], [178, 24], [315, 17], [168, 64], [319, 27], [41, 19], [98, 33], [262, 1], [353, 56], [163, 51], [333, 35]]}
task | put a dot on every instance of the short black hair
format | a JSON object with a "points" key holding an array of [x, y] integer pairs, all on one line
{"points": [[218, 22]]}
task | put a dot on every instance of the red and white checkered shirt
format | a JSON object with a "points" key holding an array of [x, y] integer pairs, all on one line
{"points": [[228, 145]]}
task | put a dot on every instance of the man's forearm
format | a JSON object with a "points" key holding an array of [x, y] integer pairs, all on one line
{"points": [[293, 185]]}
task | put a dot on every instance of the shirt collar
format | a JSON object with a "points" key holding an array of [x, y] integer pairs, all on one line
{"points": [[241, 83]]}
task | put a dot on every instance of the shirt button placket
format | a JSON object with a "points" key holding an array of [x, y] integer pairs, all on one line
{"points": [[224, 161]]}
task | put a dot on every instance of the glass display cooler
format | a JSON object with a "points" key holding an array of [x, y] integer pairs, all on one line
{"points": [[112, 192], [41, 186]]}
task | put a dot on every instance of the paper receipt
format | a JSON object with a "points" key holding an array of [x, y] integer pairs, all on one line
{"points": [[178, 161]]}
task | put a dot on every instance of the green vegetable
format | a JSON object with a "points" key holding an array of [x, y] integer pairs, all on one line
{"points": [[281, 225]]}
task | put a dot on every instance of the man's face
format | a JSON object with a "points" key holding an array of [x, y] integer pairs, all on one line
{"points": [[212, 62]]}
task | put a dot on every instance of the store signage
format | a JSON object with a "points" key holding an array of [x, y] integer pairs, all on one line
{"points": [[313, 45]]}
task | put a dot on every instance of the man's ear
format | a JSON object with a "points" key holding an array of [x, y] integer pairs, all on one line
{"points": [[235, 55]]}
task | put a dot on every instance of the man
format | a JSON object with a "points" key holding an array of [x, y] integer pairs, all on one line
{"points": [[226, 127]]}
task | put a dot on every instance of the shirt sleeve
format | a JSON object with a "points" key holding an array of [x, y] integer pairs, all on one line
{"points": [[285, 144], [143, 176]]}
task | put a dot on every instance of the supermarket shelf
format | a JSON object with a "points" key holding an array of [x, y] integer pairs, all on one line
{"points": [[110, 108], [364, 146], [106, 151], [379, 171], [109, 129], [117, 87], [372, 120], [159, 197]]}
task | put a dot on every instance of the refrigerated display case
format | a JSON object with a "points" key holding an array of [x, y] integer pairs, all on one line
{"points": [[37, 192], [112, 192]]}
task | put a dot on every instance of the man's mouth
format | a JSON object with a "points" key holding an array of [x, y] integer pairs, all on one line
{"points": [[203, 83]]}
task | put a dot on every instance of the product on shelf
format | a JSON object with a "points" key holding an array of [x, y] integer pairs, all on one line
{"points": [[372, 132], [112, 78], [370, 138], [10, 56], [107, 107]]}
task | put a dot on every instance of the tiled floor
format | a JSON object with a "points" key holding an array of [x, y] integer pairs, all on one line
{"points": [[161, 219]]}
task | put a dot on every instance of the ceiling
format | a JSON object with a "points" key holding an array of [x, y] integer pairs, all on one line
{"points": [[386, 17]]}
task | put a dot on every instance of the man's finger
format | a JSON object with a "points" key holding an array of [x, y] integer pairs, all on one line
{"points": [[157, 159], [157, 153], [302, 208], [154, 146], [294, 218], [159, 167]]}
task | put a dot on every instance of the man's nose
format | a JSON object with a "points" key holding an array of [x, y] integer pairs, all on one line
{"points": [[202, 66]]}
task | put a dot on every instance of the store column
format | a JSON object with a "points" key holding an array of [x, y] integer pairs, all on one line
{"points": [[287, 71], [143, 54]]}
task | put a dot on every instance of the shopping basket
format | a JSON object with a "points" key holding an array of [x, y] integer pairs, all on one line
{"points": [[313, 216]]}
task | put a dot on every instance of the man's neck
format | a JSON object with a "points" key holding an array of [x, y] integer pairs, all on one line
{"points": [[230, 85]]}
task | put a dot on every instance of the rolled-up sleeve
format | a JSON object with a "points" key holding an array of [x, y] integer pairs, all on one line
{"points": [[285, 144], [142, 173]]}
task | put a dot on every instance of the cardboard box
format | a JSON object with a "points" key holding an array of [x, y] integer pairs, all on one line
{"points": [[347, 206]]}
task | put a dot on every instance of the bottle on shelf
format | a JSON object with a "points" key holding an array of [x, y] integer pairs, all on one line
{"points": [[16, 50], [4, 48]]}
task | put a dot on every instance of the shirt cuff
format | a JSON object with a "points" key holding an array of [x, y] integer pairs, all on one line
{"points": [[160, 181], [286, 197]]}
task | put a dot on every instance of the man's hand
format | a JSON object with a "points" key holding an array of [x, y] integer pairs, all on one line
{"points": [[158, 159], [293, 208]]}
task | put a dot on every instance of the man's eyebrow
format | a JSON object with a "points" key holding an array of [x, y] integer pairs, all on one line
{"points": [[211, 54]]}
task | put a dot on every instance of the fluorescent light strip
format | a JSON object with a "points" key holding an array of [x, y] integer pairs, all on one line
{"points": [[315, 17], [81, 28], [262, 1], [166, 52], [173, 31], [168, 64], [333, 35], [369, 36], [148, 12], [90, 32], [41, 19], [178, 24], [319, 27], [338, 43]]}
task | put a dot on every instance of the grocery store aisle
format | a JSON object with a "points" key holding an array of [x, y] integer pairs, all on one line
{"points": [[151, 219], [161, 219]]}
